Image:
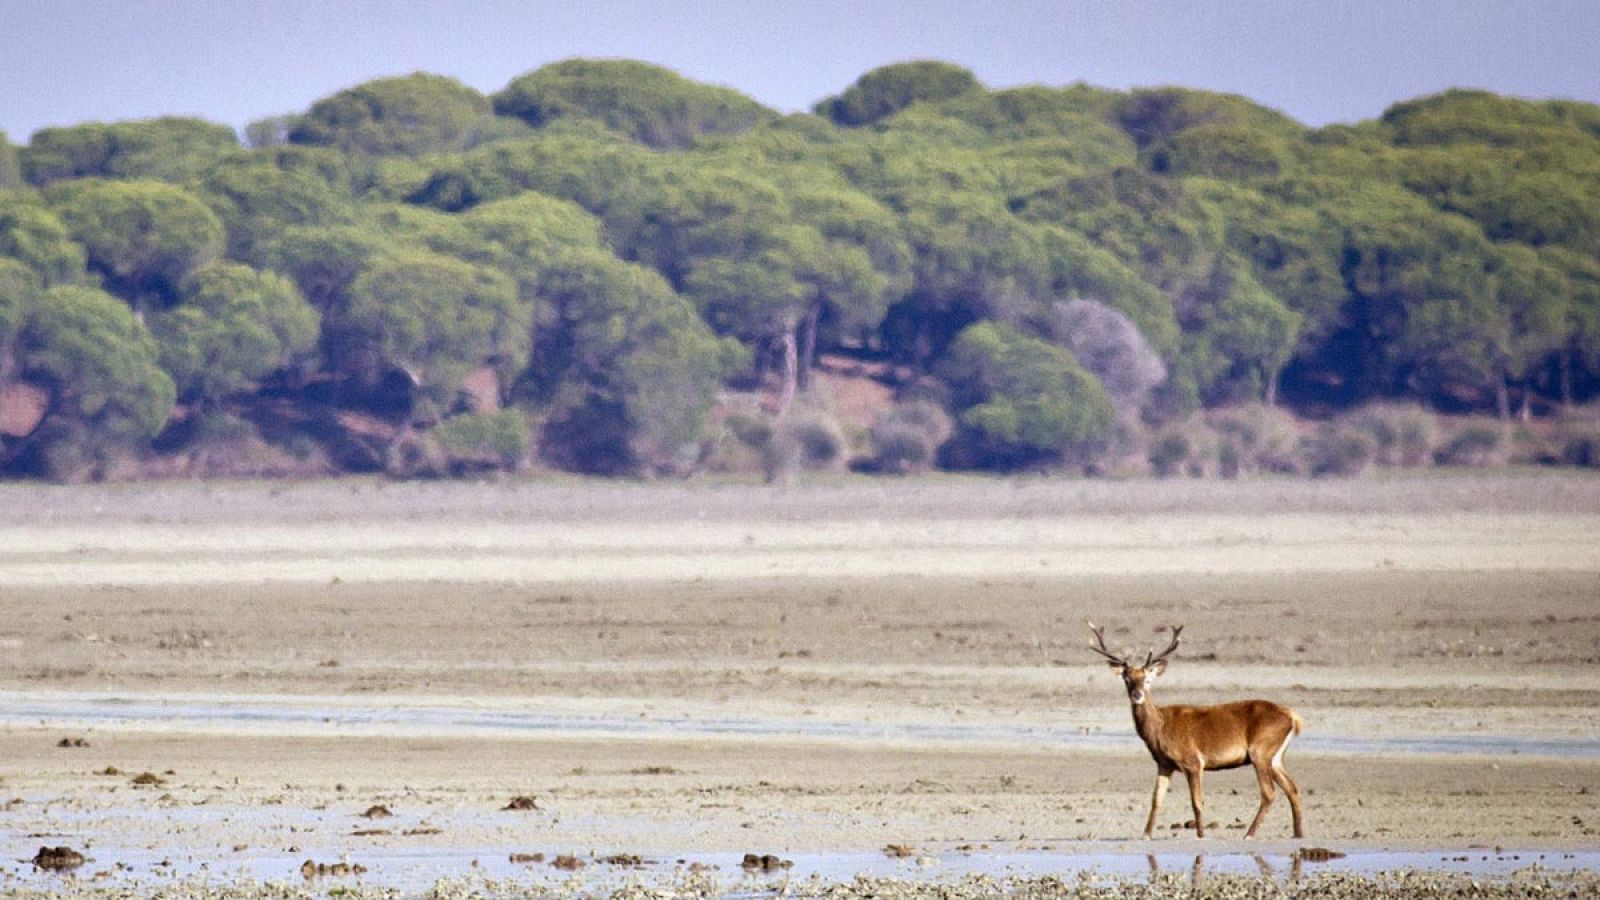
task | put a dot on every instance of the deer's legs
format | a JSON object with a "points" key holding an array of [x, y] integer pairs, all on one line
{"points": [[1264, 779], [1293, 791], [1193, 777], [1163, 781]]}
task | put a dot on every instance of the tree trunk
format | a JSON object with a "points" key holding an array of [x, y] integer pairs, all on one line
{"points": [[1272, 389], [790, 372], [808, 346], [1525, 408], [1502, 398]]}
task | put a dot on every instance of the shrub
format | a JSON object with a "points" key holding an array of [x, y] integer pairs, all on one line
{"points": [[804, 438], [222, 427], [1023, 402], [1477, 444], [750, 429], [1405, 433], [1340, 451], [906, 437], [901, 449], [818, 436], [415, 455], [1168, 452], [1188, 448], [485, 439], [1578, 444], [1255, 438], [1123, 452]]}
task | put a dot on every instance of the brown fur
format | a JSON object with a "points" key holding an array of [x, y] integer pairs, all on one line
{"points": [[1197, 739]]}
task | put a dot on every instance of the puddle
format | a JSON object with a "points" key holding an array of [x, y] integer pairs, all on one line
{"points": [[346, 716], [415, 870]]}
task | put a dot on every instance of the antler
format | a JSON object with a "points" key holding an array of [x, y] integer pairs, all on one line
{"points": [[1153, 658], [1099, 645]]}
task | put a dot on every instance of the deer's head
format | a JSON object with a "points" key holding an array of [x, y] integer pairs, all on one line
{"points": [[1134, 676]]}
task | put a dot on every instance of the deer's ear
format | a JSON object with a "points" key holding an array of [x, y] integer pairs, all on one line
{"points": [[1156, 668], [1115, 666]]}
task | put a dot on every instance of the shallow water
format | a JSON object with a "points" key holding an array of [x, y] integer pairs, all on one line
{"points": [[415, 869], [346, 716]]}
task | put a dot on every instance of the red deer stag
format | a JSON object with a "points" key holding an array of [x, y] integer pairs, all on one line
{"points": [[1195, 739]]}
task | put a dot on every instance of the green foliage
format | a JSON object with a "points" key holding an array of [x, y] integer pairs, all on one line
{"points": [[1236, 336], [1082, 267], [865, 261], [499, 438], [433, 317], [971, 260], [19, 293], [323, 261], [99, 361], [647, 103], [1540, 208], [1076, 119], [143, 237], [166, 149], [233, 327], [614, 339], [410, 115], [522, 234], [1223, 151], [1479, 117], [885, 91], [1152, 116], [256, 199], [1293, 251], [592, 170], [35, 236], [1023, 400], [10, 164]]}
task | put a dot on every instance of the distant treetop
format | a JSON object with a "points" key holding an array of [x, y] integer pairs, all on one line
{"points": [[410, 115], [648, 103], [886, 90]]}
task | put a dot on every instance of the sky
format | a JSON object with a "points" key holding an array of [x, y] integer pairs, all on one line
{"points": [[1321, 61]]}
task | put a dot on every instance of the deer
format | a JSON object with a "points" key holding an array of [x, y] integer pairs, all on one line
{"points": [[1199, 739]]}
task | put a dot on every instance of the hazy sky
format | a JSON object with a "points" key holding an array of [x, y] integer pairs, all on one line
{"points": [[234, 61]]}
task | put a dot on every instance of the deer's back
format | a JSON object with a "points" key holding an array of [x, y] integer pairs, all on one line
{"points": [[1221, 736]]}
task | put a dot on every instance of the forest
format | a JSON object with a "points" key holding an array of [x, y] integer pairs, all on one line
{"points": [[606, 268]]}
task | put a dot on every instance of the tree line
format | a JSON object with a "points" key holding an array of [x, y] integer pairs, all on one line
{"points": [[591, 266]]}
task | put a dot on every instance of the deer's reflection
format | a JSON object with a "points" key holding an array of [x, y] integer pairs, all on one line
{"points": [[1197, 869]]}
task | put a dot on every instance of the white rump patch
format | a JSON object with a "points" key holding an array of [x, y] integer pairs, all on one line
{"points": [[1277, 758]]}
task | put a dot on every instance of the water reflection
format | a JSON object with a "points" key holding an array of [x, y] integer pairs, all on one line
{"points": [[1291, 871]]}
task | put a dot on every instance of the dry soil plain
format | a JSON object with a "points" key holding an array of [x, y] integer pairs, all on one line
{"points": [[697, 671]]}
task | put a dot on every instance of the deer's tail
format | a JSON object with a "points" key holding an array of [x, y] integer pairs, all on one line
{"points": [[1299, 723]]}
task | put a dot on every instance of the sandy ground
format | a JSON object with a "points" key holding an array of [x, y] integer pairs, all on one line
{"points": [[834, 668]]}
